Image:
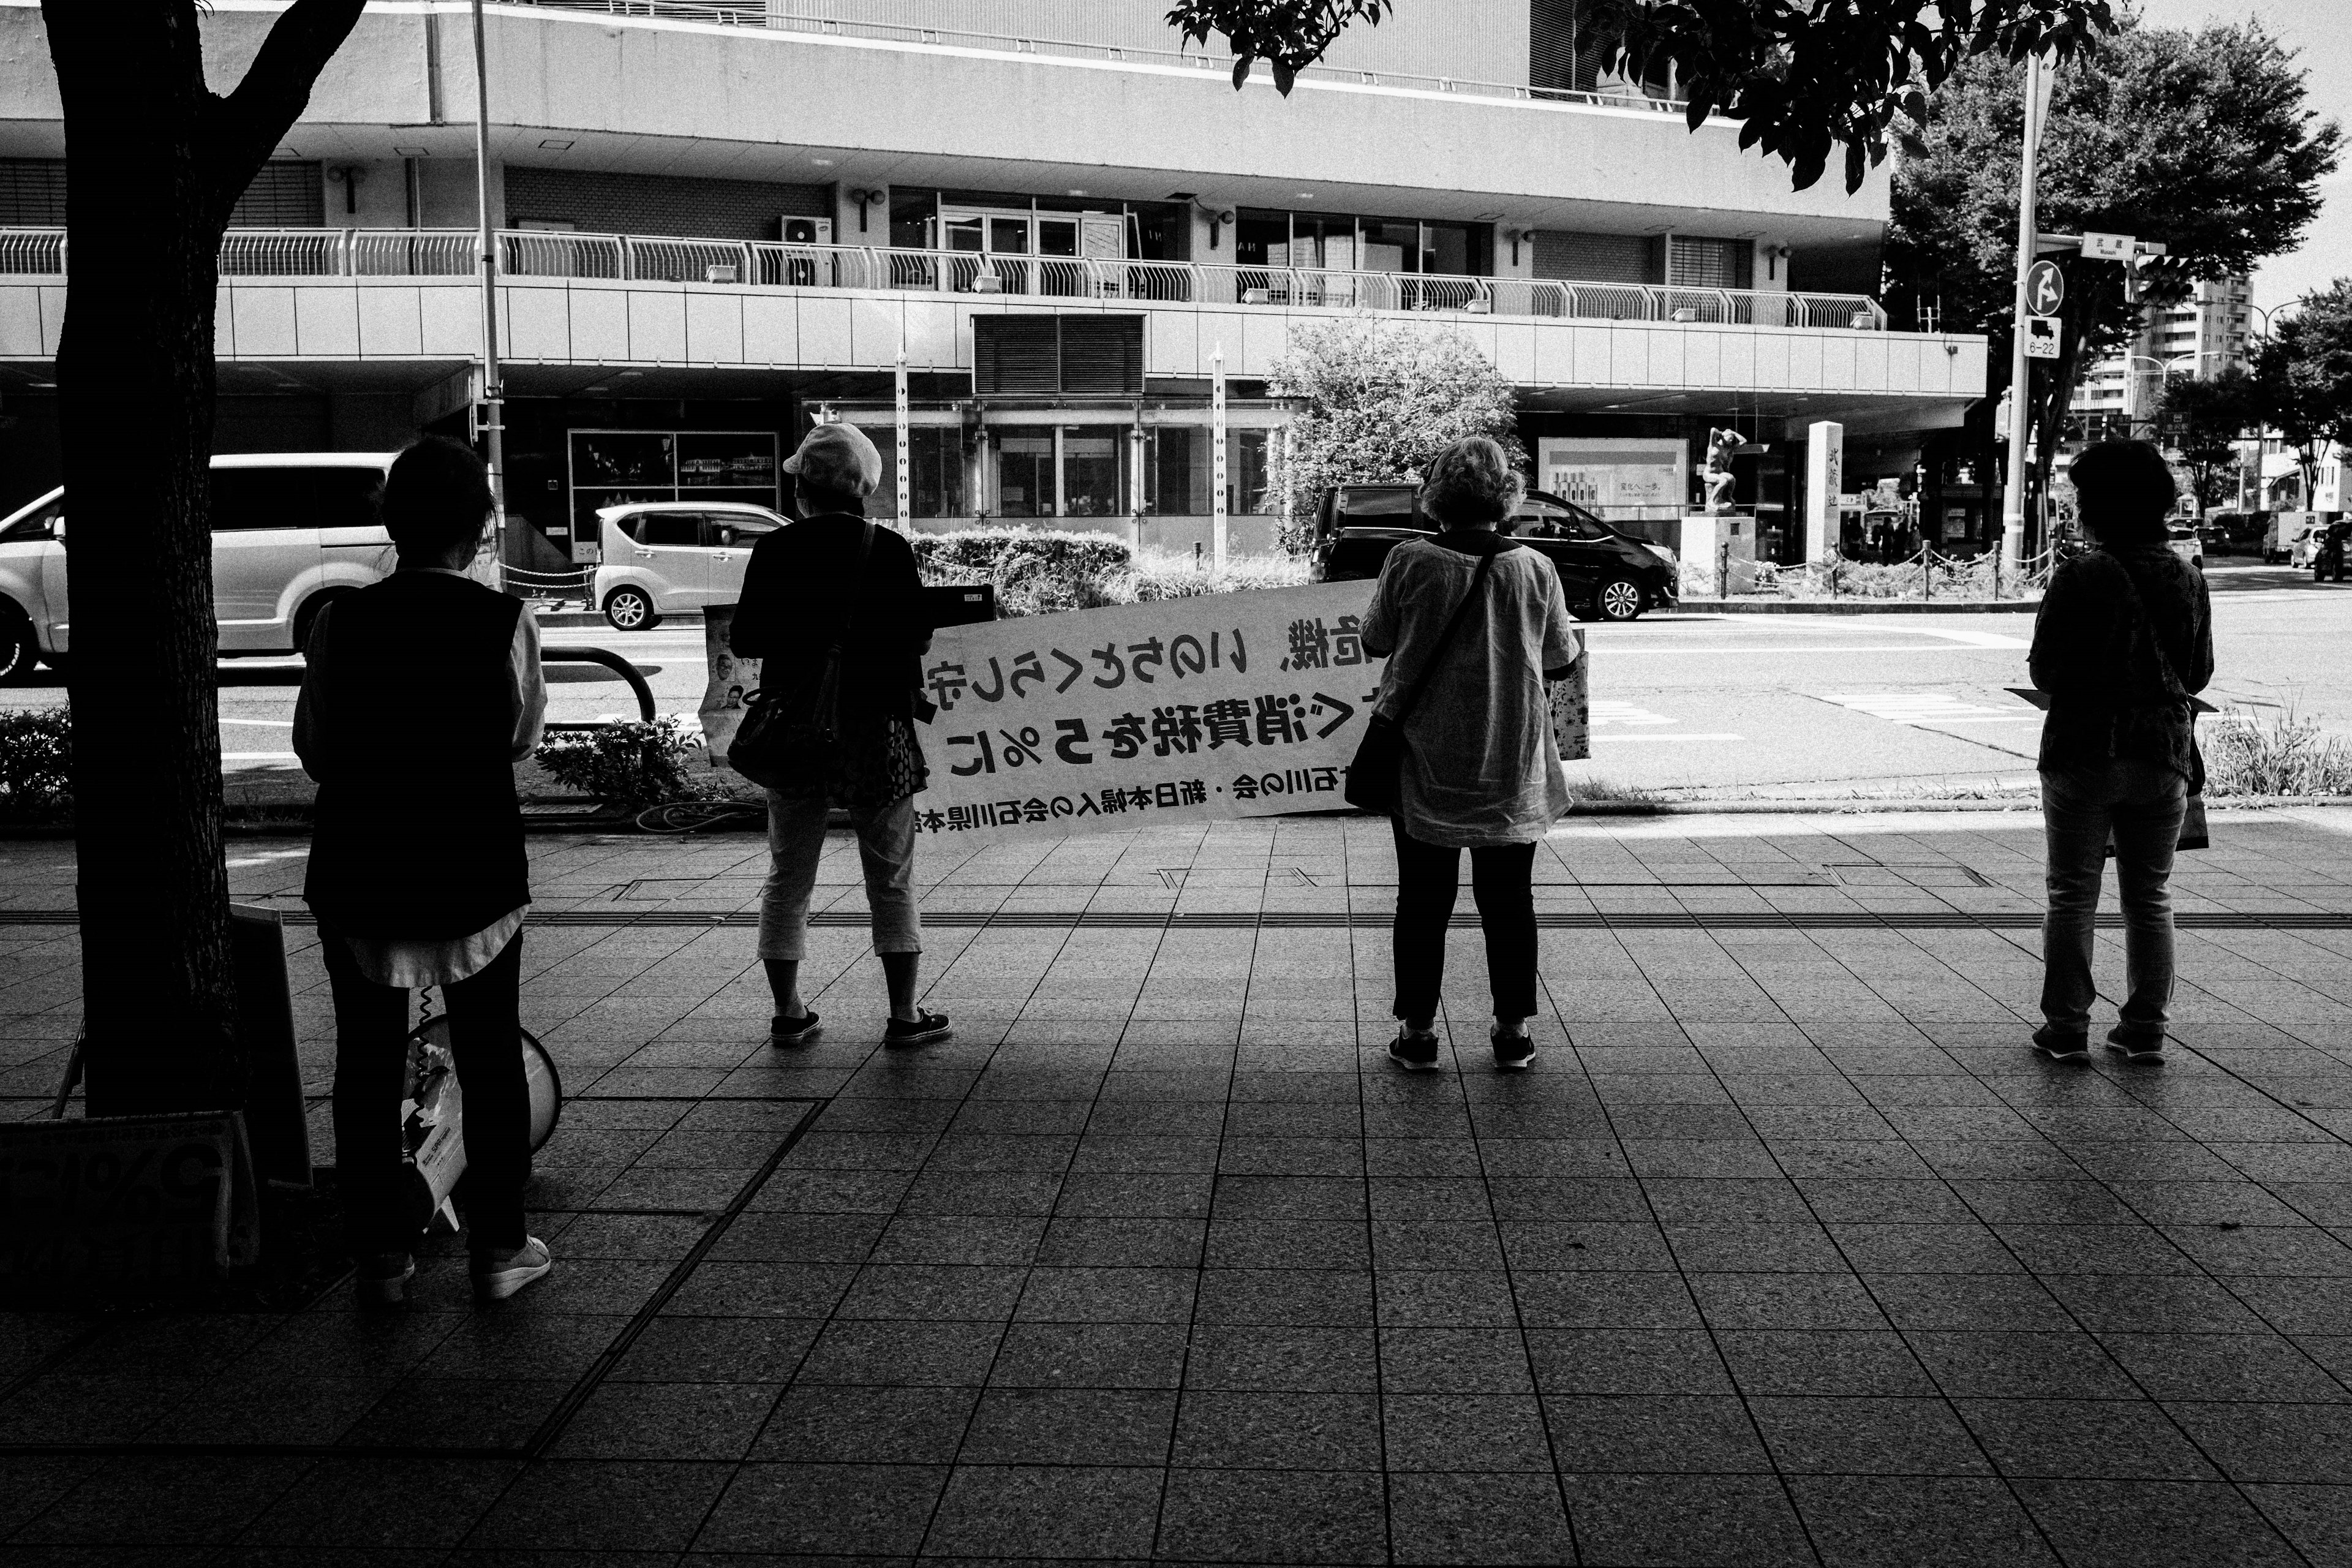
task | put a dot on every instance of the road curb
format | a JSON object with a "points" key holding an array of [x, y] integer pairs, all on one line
{"points": [[590, 618], [1860, 607]]}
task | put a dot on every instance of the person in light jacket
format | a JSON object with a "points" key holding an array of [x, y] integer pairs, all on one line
{"points": [[419, 695], [2123, 640], [1481, 768]]}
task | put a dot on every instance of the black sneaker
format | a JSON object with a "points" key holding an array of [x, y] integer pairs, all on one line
{"points": [[1513, 1052], [2141, 1050], [2061, 1046], [783, 1031], [923, 1027], [1414, 1053], [384, 1279]]}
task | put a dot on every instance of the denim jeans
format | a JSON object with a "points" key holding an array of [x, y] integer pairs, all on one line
{"points": [[886, 845], [1428, 878], [2141, 804]]}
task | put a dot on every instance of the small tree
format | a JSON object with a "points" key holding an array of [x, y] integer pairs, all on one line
{"points": [[2301, 384], [2203, 419], [1379, 400]]}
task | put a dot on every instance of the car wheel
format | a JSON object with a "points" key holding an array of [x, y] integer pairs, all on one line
{"points": [[629, 610], [19, 651], [1617, 599]]}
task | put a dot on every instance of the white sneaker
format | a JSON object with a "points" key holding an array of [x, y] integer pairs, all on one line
{"points": [[499, 1274]]}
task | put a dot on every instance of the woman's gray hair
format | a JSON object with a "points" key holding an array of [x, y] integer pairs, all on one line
{"points": [[1471, 482]]}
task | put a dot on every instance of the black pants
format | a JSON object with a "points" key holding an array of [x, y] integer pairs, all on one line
{"points": [[1428, 876], [380, 1200]]}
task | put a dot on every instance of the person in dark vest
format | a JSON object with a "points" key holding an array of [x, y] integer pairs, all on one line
{"points": [[801, 582], [421, 693]]}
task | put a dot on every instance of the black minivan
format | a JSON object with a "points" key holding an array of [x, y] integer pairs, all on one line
{"points": [[1606, 575]]}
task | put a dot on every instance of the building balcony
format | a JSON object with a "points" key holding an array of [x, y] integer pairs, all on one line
{"points": [[383, 297]]}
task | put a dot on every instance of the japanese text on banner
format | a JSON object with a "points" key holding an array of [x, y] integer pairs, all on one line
{"points": [[1223, 705]]}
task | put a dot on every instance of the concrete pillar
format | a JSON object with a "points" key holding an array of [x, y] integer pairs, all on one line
{"points": [[1824, 478]]}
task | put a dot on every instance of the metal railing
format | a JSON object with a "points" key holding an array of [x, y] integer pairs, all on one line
{"points": [[773, 17], [770, 264]]}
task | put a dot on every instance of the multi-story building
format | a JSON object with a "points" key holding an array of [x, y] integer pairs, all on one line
{"points": [[716, 222], [2201, 336]]}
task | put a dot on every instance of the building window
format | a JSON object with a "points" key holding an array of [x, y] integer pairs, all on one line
{"points": [[1599, 258], [1044, 356], [286, 193], [32, 193], [1697, 263], [610, 468], [935, 471]]}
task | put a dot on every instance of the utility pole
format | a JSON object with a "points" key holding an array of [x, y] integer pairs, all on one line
{"points": [[494, 394], [2021, 410]]}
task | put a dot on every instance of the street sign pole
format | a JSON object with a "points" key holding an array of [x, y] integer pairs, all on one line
{"points": [[2012, 496], [905, 502], [1217, 508], [494, 392]]}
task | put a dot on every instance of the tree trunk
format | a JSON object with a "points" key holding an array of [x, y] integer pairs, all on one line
{"points": [[135, 395], [154, 162]]}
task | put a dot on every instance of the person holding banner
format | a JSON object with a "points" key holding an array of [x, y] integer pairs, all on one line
{"points": [[833, 579], [1473, 625], [419, 695]]}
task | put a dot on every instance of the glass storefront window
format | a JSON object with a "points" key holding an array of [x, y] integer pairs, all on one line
{"points": [[1176, 472], [1025, 474], [1092, 461], [935, 468], [1248, 454]]}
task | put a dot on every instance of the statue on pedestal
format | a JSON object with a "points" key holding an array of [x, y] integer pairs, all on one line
{"points": [[1720, 445]]}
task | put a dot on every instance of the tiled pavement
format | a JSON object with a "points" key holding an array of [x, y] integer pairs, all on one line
{"points": [[1786, 1250]]}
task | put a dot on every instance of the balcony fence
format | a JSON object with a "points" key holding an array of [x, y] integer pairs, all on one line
{"points": [[782, 17], [768, 264]]}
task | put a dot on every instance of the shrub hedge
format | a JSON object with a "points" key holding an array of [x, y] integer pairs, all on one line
{"points": [[35, 763]]}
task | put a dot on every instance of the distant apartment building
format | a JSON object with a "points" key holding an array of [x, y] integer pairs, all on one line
{"points": [[717, 223], [2201, 336]]}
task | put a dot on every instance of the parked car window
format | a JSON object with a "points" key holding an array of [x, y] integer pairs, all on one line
{"points": [[669, 528], [723, 529], [263, 498], [349, 497], [41, 524]]}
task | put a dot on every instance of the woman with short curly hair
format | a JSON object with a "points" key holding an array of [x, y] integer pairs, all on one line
{"points": [[1481, 768]]}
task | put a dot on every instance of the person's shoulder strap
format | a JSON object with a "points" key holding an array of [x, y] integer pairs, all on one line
{"points": [[1444, 638]]}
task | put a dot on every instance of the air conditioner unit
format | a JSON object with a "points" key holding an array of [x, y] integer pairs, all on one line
{"points": [[808, 230]]}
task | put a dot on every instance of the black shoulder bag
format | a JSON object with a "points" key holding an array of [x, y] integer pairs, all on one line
{"points": [[1380, 757], [2194, 831], [789, 737]]}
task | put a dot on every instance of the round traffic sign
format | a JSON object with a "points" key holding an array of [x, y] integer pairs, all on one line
{"points": [[2045, 288]]}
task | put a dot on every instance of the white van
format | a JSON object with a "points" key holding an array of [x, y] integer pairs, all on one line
{"points": [[290, 530], [656, 558]]}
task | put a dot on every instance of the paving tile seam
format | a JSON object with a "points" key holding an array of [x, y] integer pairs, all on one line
{"points": [[2071, 1314], [1374, 920]]}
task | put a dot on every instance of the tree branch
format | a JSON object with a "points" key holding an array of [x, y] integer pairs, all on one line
{"points": [[240, 130]]}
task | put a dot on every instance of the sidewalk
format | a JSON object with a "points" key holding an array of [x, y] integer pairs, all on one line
{"points": [[1786, 1251]]}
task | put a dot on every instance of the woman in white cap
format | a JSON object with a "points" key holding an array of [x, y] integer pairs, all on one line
{"points": [[800, 584]]}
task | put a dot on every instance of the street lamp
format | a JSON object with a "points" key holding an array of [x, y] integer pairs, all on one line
{"points": [[2132, 420]]}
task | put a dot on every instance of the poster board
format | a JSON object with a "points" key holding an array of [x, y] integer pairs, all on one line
{"points": [[1606, 475], [124, 1203]]}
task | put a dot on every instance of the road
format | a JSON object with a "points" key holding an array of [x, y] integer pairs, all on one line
{"points": [[1720, 704]]}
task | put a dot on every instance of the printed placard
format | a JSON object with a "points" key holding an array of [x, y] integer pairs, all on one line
{"points": [[1225, 705]]}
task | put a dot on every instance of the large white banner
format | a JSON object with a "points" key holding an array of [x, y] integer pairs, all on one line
{"points": [[1245, 704]]}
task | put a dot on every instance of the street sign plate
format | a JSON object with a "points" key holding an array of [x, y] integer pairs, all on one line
{"points": [[2040, 337], [2045, 288], [2107, 247]]}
